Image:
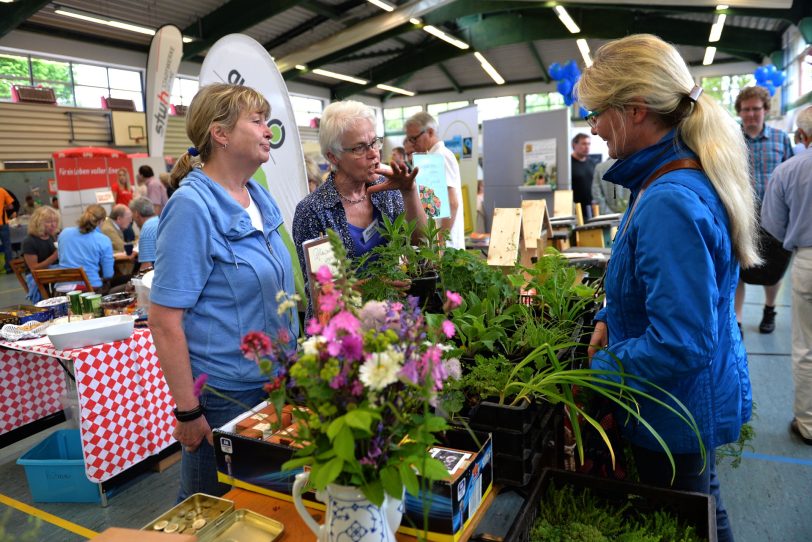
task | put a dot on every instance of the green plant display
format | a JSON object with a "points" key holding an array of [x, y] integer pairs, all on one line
{"points": [[567, 515]]}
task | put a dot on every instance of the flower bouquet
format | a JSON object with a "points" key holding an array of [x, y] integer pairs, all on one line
{"points": [[366, 378]]}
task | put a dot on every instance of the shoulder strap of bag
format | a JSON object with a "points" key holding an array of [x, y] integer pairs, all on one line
{"points": [[682, 163]]}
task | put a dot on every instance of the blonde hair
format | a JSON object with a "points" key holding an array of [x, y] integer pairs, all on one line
{"points": [[218, 103], [127, 185], [91, 218], [643, 65], [337, 118], [36, 224]]}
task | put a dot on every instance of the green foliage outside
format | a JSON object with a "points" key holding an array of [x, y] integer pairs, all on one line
{"points": [[14, 70], [725, 88]]}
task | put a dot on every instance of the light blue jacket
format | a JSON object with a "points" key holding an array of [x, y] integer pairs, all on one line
{"points": [[670, 286], [225, 274], [92, 250]]}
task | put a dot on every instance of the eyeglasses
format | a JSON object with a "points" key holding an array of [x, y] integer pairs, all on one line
{"points": [[362, 148], [413, 139], [751, 109], [592, 118]]}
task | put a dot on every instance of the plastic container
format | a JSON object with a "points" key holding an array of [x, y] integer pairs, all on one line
{"points": [[56, 470], [88, 332]]}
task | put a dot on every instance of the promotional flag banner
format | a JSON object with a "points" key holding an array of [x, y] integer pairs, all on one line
{"points": [[165, 53]]}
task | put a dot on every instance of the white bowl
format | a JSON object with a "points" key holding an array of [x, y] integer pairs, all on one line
{"points": [[88, 332]]}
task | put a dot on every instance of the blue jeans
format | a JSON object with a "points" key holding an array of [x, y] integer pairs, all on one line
{"points": [[198, 469], [654, 469], [5, 239]]}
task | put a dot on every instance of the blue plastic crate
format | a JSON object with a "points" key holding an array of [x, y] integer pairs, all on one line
{"points": [[56, 470]]}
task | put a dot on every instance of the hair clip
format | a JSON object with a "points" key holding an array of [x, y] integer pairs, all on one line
{"points": [[695, 93], [192, 151]]}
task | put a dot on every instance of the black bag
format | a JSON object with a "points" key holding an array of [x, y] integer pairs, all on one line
{"points": [[776, 261]]}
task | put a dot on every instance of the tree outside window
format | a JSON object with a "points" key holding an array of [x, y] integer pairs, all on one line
{"points": [[54, 74], [543, 101], [725, 88], [395, 117]]}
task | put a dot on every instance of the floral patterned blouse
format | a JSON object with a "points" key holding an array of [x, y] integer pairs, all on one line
{"points": [[322, 210]]}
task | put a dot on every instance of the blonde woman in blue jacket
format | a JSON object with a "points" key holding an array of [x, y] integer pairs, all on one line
{"points": [[219, 265], [671, 280]]}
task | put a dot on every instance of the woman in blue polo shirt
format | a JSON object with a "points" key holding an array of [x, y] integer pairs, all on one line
{"points": [[220, 262]]}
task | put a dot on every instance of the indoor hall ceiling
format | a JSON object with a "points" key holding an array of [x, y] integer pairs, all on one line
{"points": [[520, 38]]}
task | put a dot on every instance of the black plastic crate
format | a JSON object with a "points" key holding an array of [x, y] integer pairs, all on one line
{"points": [[696, 509]]}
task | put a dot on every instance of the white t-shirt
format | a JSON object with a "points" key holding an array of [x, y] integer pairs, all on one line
{"points": [[253, 212], [454, 182]]}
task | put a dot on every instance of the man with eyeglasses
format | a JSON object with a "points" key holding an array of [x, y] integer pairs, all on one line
{"points": [[768, 147], [421, 133]]}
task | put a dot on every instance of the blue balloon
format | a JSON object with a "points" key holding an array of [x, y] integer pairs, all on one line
{"points": [[572, 71], [760, 74], [568, 99], [583, 112], [777, 78], [556, 71], [564, 87], [771, 69], [770, 88]]}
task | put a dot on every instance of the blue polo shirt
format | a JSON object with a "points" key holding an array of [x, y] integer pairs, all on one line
{"points": [[146, 243], [92, 251]]}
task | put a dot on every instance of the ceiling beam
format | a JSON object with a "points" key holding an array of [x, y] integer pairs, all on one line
{"points": [[13, 15], [331, 12], [232, 17], [448, 76], [537, 57]]}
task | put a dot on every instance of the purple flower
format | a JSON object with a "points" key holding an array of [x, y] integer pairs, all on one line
{"points": [[200, 383], [409, 371], [352, 347], [313, 327]]}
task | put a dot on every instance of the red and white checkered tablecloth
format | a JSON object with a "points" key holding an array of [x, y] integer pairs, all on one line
{"points": [[126, 408], [30, 387]]}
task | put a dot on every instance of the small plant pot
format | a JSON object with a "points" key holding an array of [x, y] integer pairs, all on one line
{"points": [[425, 290], [505, 417]]}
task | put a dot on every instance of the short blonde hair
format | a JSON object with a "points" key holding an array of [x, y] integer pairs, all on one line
{"points": [[337, 118], [644, 66], [36, 224], [218, 103], [93, 216]]}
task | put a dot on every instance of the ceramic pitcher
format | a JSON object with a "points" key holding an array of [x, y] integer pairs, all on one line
{"points": [[350, 516]]}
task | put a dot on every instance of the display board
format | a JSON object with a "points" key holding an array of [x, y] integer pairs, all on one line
{"points": [[458, 129]]}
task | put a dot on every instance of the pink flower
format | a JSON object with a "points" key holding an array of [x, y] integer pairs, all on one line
{"points": [[345, 321], [284, 336], [454, 299], [313, 327], [373, 315], [255, 344], [200, 383], [328, 301], [352, 347], [448, 328], [324, 275], [409, 372]]}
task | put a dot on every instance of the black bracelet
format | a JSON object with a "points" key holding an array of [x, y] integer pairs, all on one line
{"points": [[188, 415]]}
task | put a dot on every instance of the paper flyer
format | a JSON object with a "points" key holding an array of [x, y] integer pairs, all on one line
{"points": [[432, 185], [539, 162]]}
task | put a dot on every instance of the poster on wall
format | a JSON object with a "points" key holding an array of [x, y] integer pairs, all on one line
{"points": [[432, 185], [461, 125], [454, 144], [538, 160]]}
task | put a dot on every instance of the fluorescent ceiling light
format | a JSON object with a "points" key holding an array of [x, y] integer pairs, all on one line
{"points": [[436, 32], [566, 19], [414, 21], [583, 46], [716, 28], [341, 76], [301, 67], [383, 5], [69, 12], [490, 70], [710, 52], [396, 89], [721, 7]]}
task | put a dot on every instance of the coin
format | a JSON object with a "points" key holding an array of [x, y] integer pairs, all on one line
{"points": [[190, 515], [171, 528], [160, 525], [198, 523]]}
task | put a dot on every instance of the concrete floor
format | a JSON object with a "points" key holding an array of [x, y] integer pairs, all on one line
{"points": [[767, 496]]}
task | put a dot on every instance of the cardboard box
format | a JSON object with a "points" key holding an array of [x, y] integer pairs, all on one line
{"points": [[256, 465]]}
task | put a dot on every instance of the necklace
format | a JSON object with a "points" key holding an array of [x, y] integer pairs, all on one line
{"points": [[352, 201]]}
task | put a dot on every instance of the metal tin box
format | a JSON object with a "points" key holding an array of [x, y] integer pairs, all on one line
{"points": [[198, 514], [244, 526]]}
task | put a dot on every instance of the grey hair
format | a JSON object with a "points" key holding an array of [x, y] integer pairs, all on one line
{"points": [[422, 120], [142, 206], [804, 121], [337, 118], [118, 211]]}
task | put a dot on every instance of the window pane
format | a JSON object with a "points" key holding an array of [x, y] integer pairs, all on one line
{"points": [[63, 91], [409, 111], [95, 76], [125, 79], [305, 109], [393, 113], [724, 89], [50, 70], [436, 109], [136, 97], [495, 108], [89, 96], [16, 66], [5, 88], [188, 89]]}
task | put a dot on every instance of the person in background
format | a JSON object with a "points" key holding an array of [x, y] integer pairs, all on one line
{"points": [[421, 131], [122, 189], [39, 251], [785, 214], [611, 198], [114, 226], [768, 147], [167, 182], [581, 171], [220, 263], [87, 247], [399, 155], [358, 192], [143, 214], [408, 148], [29, 206], [669, 316], [314, 179], [155, 189], [55, 202], [6, 212]]}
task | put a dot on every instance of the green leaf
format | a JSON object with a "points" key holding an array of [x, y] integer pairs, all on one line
{"points": [[390, 478], [359, 419], [374, 492], [326, 473], [433, 469], [344, 444], [296, 463], [335, 427], [436, 423], [409, 479]]}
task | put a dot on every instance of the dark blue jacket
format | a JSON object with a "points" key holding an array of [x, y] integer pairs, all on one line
{"points": [[670, 286]]}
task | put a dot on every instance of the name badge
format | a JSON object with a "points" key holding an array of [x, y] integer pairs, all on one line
{"points": [[370, 231]]}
